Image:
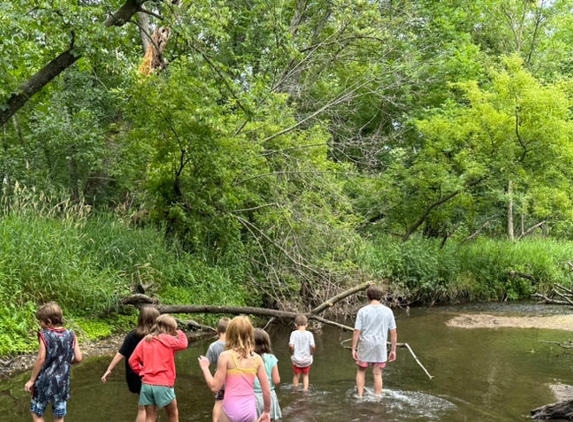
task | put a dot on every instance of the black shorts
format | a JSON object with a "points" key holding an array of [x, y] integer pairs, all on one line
{"points": [[220, 395]]}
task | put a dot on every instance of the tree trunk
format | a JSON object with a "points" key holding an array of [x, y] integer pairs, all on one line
{"points": [[59, 64], [37, 82], [510, 211]]}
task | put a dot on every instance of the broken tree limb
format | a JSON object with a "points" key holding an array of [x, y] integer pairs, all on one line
{"points": [[138, 299], [216, 309], [567, 345], [515, 274], [330, 302], [559, 295], [568, 291], [417, 360], [563, 296], [547, 300]]}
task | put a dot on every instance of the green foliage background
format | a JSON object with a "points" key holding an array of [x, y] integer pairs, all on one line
{"points": [[286, 152]]}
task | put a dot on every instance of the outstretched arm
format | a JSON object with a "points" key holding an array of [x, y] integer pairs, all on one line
{"points": [[116, 359], [218, 380], [38, 364]]}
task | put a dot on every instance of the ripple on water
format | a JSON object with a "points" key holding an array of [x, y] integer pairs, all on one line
{"points": [[393, 405]]}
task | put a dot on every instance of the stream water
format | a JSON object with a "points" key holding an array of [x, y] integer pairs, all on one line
{"points": [[479, 375]]}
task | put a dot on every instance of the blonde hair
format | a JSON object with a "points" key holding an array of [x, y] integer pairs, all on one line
{"points": [[50, 314], [240, 336], [164, 324]]}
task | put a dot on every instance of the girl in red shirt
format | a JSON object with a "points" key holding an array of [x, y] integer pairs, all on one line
{"points": [[154, 361]]}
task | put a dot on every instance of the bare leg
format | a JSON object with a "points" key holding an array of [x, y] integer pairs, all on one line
{"points": [[59, 419], [223, 417], [304, 382], [37, 418], [377, 375], [295, 381], [150, 413], [217, 410], [140, 414], [360, 380], [172, 411]]}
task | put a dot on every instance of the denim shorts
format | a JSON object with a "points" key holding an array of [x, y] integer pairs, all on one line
{"points": [[59, 408], [156, 395]]}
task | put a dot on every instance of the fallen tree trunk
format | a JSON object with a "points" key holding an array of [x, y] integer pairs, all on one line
{"points": [[140, 300], [556, 411]]}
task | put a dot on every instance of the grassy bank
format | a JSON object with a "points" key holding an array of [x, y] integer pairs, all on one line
{"points": [[86, 265], [482, 270]]}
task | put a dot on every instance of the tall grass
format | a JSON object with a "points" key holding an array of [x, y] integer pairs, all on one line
{"points": [[86, 263], [485, 269]]}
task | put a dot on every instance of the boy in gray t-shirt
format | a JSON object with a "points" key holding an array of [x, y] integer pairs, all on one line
{"points": [[373, 322], [213, 352], [301, 344]]}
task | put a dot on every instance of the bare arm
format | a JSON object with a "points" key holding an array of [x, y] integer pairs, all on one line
{"points": [[116, 359], [355, 339], [77, 352], [393, 341], [38, 364], [275, 375], [266, 389], [135, 360], [215, 382]]}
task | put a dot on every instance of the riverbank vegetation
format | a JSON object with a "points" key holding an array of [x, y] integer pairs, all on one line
{"points": [[274, 154], [89, 262]]}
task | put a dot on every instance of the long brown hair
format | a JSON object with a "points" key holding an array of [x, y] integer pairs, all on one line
{"points": [[262, 342], [240, 336], [145, 321]]}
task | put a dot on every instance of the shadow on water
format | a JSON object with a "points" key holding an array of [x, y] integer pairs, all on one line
{"points": [[496, 375]]}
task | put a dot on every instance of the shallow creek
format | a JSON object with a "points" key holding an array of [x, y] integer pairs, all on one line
{"points": [[480, 374]]}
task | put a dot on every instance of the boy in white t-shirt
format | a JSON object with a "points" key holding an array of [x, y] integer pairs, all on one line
{"points": [[302, 348]]}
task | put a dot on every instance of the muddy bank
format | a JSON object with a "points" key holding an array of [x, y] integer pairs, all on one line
{"points": [[10, 366], [553, 322]]}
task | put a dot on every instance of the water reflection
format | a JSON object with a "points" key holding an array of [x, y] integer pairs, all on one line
{"points": [[496, 375]]}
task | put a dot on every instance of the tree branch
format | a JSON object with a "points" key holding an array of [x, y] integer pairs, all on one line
{"points": [[36, 83]]}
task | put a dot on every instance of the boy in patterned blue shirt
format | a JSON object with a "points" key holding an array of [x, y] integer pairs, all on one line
{"points": [[50, 379]]}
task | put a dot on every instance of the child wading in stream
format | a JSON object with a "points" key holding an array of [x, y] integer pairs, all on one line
{"points": [[237, 368], [154, 360], [51, 374]]}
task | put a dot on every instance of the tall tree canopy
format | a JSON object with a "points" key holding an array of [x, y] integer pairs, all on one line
{"points": [[287, 132]]}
